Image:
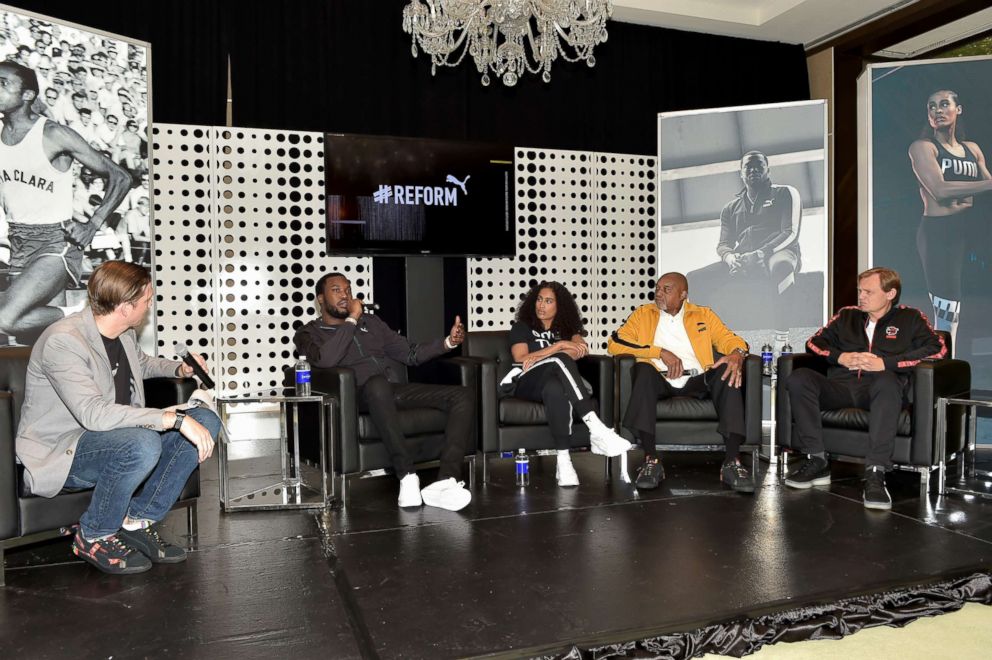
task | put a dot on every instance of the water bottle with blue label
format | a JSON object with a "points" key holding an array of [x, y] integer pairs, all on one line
{"points": [[302, 377], [766, 359], [523, 468]]}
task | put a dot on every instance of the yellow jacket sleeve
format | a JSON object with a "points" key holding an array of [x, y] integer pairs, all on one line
{"points": [[724, 339], [636, 335]]}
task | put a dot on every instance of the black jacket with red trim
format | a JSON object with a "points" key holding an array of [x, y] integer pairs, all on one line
{"points": [[902, 338]]}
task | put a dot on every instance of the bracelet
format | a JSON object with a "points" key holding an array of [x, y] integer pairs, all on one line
{"points": [[351, 321], [742, 352], [448, 344]]}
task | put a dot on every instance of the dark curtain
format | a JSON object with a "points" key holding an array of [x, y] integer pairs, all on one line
{"points": [[346, 67]]}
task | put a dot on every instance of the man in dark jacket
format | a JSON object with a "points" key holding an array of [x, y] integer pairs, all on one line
{"points": [[344, 336], [871, 349]]}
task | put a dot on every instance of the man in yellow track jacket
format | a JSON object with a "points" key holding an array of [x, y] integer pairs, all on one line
{"points": [[674, 343]]}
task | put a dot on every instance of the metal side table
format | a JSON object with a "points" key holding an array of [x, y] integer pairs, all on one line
{"points": [[275, 451], [968, 459]]}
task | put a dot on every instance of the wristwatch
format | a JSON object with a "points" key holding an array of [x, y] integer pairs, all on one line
{"points": [[742, 351], [180, 416]]}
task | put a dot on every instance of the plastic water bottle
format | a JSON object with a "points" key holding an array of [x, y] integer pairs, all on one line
{"points": [[302, 377], [766, 359], [523, 468]]}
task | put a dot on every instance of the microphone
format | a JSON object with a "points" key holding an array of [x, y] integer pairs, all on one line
{"points": [[183, 352]]}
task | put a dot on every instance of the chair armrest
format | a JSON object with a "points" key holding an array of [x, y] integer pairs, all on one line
{"points": [[8, 470], [623, 383], [166, 391], [340, 382], [488, 402], [753, 387], [940, 378], [458, 371], [598, 370], [783, 407]]}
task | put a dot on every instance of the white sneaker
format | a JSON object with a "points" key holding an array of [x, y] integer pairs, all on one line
{"points": [[447, 494], [410, 490], [565, 472], [608, 443]]}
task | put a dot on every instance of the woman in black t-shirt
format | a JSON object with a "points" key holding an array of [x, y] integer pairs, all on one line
{"points": [[546, 340]]}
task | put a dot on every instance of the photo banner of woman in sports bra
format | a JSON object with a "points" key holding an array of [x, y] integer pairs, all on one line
{"points": [[74, 188], [930, 194], [743, 215]]}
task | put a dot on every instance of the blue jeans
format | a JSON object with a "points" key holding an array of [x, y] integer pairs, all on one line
{"points": [[116, 463]]}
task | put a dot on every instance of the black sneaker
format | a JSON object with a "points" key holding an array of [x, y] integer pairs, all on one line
{"points": [[734, 475], [110, 555], [650, 474], [815, 471], [876, 496], [151, 545]]}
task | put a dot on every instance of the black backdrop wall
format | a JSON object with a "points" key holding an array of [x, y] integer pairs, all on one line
{"points": [[345, 66]]}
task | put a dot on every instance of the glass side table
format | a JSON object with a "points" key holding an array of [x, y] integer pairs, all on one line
{"points": [[968, 471], [276, 450]]}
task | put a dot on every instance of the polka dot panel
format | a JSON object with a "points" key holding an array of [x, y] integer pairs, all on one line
{"points": [[266, 225], [584, 219]]}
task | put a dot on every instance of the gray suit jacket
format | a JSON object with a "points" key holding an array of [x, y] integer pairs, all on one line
{"points": [[70, 389]]}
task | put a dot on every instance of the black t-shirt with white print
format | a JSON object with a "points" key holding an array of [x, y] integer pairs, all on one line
{"points": [[521, 333]]}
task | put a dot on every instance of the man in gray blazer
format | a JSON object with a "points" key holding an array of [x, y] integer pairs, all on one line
{"points": [[84, 424]]}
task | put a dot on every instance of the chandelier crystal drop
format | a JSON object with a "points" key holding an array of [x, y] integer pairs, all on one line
{"points": [[507, 37]]}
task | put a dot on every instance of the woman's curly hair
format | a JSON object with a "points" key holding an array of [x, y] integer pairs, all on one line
{"points": [[567, 322]]}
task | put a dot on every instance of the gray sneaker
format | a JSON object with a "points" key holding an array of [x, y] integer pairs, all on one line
{"points": [[150, 544]]}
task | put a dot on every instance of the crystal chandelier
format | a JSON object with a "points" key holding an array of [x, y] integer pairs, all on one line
{"points": [[507, 37]]}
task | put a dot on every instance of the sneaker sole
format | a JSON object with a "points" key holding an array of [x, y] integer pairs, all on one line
{"points": [[803, 485], [448, 507], [879, 506]]}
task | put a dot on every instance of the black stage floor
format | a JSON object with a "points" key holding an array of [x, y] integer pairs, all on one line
{"points": [[517, 573]]}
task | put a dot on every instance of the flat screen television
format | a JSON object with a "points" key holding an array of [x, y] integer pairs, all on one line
{"points": [[408, 196]]}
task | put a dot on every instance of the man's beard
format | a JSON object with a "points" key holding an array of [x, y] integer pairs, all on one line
{"points": [[336, 312]]}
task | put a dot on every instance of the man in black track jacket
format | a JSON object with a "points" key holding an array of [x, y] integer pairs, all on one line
{"points": [[871, 349]]}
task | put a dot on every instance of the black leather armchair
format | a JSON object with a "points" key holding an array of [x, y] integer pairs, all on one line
{"points": [[509, 423], [689, 424], [25, 518], [845, 431], [358, 447]]}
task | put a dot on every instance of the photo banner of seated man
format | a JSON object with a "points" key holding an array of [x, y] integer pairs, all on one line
{"points": [[930, 192], [73, 167], [743, 214]]}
